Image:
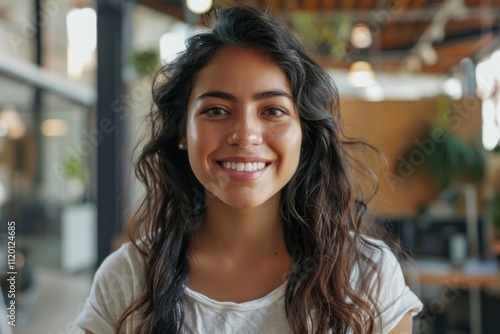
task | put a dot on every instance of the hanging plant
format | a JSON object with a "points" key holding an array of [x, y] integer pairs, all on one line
{"points": [[146, 62], [449, 159], [327, 36]]}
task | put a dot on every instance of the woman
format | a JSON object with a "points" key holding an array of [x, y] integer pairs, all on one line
{"points": [[252, 220]]}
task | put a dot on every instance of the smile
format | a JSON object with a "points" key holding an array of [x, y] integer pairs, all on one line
{"points": [[243, 166]]}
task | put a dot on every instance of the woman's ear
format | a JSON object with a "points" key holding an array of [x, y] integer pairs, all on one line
{"points": [[183, 144]]}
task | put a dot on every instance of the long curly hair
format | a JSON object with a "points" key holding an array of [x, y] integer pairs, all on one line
{"points": [[322, 206]]}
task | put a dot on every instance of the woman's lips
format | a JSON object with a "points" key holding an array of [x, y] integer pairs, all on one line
{"points": [[248, 170]]}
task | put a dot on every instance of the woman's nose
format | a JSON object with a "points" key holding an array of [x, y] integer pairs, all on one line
{"points": [[246, 131]]}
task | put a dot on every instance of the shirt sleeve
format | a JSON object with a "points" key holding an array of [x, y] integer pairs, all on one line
{"points": [[395, 299], [115, 287]]}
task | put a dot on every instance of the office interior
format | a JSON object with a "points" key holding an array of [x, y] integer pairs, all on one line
{"points": [[418, 79]]}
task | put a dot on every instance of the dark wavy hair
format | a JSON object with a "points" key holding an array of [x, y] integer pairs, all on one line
{"points": [[322, 206]]}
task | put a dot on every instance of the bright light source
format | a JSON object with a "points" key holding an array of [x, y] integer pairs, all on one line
{"points": [[487, 74], [491, 119], [199, 6], [374, 92], [361, 74], [54, 128], [487, 81], [81, 25], [361, 36], [453, 87], [491, 129], [171, 43], [491, 136]]}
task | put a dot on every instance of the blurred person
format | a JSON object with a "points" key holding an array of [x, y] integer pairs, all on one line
{"points": [[253, 217]]}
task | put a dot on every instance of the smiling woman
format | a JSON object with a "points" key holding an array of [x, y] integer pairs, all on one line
{"points": [[253, 218], [240, 113]]}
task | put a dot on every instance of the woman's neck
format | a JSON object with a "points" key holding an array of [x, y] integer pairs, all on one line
{"points": [[242, 233], [238, 254]]}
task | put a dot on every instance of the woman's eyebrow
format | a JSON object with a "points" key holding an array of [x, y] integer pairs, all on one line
{"points": [[218, 94], [271, 93], [257, 96]]}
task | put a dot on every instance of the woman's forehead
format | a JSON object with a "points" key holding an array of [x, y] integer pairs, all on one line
{"points": [[233, 66]]}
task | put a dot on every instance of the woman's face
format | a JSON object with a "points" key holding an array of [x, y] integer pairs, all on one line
{"points": [[243, 132]]}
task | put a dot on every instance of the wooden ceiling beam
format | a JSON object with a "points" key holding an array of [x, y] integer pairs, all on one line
{"points": [[310, 5], [465, 48], [274, 5], [418, 4], [164, 8], [374, 15], [327, 4], [346, 4], [366, 4], [448, 56]]}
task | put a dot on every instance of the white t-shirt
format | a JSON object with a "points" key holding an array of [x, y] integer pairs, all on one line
{"points": [[120, 278]]}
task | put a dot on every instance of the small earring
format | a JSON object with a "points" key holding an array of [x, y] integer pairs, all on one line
{"points": [[181, 146]]}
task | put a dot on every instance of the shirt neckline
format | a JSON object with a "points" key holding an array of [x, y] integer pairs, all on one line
{"points": [[267, 300]]}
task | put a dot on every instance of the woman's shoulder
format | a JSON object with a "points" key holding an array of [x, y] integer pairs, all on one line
{"points": [[375, 249], [117, 283], [376, 256], [379, 269], [124, 267], [127, 256]]}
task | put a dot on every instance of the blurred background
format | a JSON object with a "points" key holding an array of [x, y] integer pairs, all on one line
{"points": [[419, 79]]}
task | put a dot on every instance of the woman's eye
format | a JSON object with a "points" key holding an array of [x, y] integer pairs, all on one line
{"points": [[215, 112], [275, 112]]}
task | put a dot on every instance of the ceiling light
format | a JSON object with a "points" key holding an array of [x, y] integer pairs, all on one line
{"points": [[361, 74], [361, 36], [199, 6]]}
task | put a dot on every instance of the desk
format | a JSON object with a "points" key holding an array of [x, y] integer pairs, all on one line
{"points": [[473, 276], [459, 279]]}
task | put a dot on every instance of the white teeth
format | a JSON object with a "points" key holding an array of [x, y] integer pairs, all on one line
{"points": [[244, 167]]}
